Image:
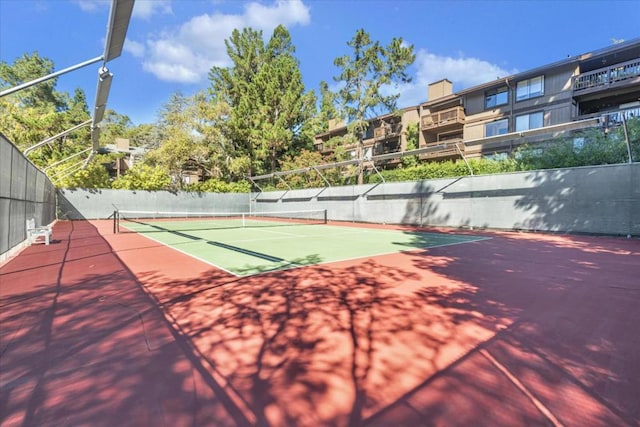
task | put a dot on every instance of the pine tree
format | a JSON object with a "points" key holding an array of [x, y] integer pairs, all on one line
{"points": [[266, 95], [364, 75]]}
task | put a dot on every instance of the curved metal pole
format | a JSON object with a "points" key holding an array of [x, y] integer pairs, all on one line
{"points": [[73, 166], [50, 76], [66, 158], [626, 137], [464, 158], [48, 140]]}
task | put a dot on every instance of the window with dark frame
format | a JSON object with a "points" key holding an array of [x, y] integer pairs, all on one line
{"points": [[499, 127], [495, 97], [529, 121], [530, 88]]}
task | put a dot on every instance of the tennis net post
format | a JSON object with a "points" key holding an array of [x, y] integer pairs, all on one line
{"points": [[116, 224]]}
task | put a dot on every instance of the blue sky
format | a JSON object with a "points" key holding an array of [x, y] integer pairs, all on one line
{"points": [[171, 45]]}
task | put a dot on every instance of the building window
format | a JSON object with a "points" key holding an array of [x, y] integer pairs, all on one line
{"points": [[499, 127], [495, 97], [529, 121], [531, 88], [368, 133]]}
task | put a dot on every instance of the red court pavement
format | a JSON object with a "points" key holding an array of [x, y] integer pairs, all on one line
{"points": [[521, 329]]}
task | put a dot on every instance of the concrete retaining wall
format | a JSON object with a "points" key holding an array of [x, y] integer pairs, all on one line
{"points": [[597, 200], [100, 204]]}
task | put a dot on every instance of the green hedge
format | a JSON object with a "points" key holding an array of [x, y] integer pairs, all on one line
{"points": [[446, 169], [217, 186]]}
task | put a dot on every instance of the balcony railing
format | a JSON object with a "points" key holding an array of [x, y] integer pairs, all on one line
{"points": [[384, 148], [616, 118], [387, 131], [444, 149], [607, 76], [439, 119]]}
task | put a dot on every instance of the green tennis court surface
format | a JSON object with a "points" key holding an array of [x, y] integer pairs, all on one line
{"points": [[267, 246]]}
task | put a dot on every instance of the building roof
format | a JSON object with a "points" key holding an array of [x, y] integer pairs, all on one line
{"points": [[633, 46]]}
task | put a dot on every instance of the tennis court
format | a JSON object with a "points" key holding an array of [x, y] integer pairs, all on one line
{"points": [[249, 244], [442, 328]]}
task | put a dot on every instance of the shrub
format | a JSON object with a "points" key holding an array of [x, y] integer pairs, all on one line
{"points": [[218, 186]]}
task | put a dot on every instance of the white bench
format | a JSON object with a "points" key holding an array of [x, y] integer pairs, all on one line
{"points": [[34, 232]]}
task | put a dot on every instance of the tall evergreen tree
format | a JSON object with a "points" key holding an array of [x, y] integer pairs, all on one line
{"points": [[328, 110], [364, 75], [27, 68], [266, 95]]}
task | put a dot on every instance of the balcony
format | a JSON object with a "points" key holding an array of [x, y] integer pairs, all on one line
{"points": [[387, 131], [445, 149], [444, 119], [386, 147], [604, 78]]}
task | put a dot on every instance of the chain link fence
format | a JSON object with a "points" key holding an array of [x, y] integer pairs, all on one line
{"points": [[25, 192]]}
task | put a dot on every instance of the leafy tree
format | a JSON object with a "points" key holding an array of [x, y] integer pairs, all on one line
{"points": [[78, 110], [365, 75], [319, 121], [176, 145], [191, 136], [586, 148], [235, 87], [143, 177], [34, 114], [338, 145], [25, 69], [94, 175], [267, 98], [225, 160], [114, 125], [312, 178], [412, 144], [328, 110], [143, 135], [218, 186]]}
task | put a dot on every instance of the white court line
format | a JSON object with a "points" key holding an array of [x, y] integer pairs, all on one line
{"points": [[381, 231], [266, 239], [350, 233], [184, 252], [520, 386], [295, 265], [374, 255]]}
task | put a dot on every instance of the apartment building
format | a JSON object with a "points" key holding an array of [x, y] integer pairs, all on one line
{"points": [[496, 117], [129, 155], [385, 134]]}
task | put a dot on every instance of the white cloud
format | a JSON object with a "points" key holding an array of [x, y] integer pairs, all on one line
{"points": [[91, 5], [462, 71], [134, 48], [144, 9], [284, 12], [466, 72], [173, 61], [187, 53]]}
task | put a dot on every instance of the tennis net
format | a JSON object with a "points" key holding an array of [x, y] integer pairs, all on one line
{"points": [[124, 220]]}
